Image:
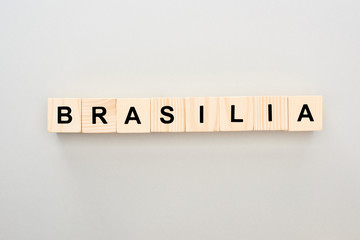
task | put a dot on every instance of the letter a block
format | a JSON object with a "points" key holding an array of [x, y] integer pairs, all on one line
{"points": [[236, 114], [202, 114], [167, 115], [305, 113], [64, 115], [98, 115], [133, 115], [270, 113]]}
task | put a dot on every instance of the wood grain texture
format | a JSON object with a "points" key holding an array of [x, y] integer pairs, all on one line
{"points": [[244, 109], [314, 105], [142, 108], [75, 125], [178, 125], [99, 127], [279, 113], [210, 116]]}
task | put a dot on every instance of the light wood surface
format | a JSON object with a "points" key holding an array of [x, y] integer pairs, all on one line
{"points": [[314, 105], [75, 125], [197, 114], [243, 109], [99, 127], [178, 125], [142, 108], [279, 113], [210, 114]]}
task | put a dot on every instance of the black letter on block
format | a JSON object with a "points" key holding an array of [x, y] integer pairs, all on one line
{"points": [[308, 115], [270, 112], [233, 119], [61, 114], [135, 117], [201, 114], [167, 114], [99, 115]]}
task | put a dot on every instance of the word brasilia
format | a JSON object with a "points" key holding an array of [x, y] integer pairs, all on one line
{"points": [[198, 114]]}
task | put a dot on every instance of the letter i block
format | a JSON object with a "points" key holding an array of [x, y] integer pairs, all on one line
{"points": [[236, 114], [270, 113], [202, 114], [98, 115], [133, 115], [167, 115], [305, 113], [64, 115]]}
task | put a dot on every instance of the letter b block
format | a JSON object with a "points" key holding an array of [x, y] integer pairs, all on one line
{"points": [[98, 115], [64, 115], [305, 113]]}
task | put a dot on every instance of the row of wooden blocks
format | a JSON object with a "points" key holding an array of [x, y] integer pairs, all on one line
{"points": [[198, 114]]}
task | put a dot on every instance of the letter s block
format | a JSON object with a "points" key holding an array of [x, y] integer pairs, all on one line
{"points": [[98, 115], [305, 113], [167, 115], [64, 115]]}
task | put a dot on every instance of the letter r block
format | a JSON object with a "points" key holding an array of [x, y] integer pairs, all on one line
{"points": [[305, 113], [98, 115], [167, 115], [64, 115]]}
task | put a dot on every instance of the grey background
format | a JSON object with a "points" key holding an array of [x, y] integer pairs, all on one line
{"points": [[241, 185]]}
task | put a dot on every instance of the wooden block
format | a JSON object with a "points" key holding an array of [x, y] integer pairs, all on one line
{"points": [[202, 114], [98, 115], [270, 113], [64, 115], [167, 115], [305, 113], [236, 114], [133, 115]]}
